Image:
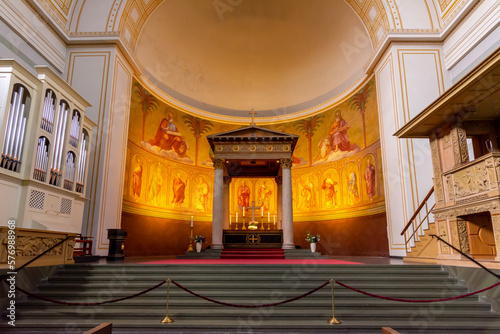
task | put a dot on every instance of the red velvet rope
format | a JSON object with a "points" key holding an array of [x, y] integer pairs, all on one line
{"points": [[251, 306], [417, 300], [89, 304]]}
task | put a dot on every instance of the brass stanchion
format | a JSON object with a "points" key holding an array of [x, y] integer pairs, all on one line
{"points": [[333, 320], [167, 320]]}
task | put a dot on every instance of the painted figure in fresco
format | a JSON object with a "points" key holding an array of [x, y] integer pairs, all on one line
{"points": [[339, 139], [137, 180], [352, 188], [243, 196], [325, 147], [171, 125], [370, 180], [265, 196], [155, 186], [201, 195], [179, 188], [329, 187], [308, 194], [168, 138]]}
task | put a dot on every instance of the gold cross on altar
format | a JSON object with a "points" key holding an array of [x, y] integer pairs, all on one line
{"points": [[253, 239], [253, 114]]}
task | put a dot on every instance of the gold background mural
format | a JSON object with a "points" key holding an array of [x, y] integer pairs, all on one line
{"points": [[336, 173]]}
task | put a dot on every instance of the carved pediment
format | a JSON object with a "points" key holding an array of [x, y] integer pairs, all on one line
{"points": [[252, 131]]}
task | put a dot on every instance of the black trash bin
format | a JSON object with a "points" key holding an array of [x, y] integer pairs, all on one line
{"points": [[116, 239]]}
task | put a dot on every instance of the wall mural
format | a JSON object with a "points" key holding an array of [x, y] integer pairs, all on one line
{"points": [[336, 173]]}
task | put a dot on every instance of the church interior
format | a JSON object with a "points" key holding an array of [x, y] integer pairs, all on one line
{"points": [[250, 152]]}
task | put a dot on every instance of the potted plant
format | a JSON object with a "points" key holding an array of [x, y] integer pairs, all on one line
{"points": [[313, 239], [199, 239], [253, 225]]}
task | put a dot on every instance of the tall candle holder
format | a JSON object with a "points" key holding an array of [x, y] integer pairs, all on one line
{"points": [[190, 248], [243, 228], [262, 223]]}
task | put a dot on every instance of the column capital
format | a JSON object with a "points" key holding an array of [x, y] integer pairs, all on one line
{"points": [[219, 163], [286, 162]]}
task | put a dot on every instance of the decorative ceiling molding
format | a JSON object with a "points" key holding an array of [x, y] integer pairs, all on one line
{"points": [[134, 15], [372, 13], [58, 10], [374, 17]]}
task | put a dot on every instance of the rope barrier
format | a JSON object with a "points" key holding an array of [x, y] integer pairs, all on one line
{"points": [[251, 306], [467, 256], [416, 300], [89, 304]]}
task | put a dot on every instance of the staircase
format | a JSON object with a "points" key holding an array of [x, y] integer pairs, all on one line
{"points": [[253, 253], [253, 284], [420, 245], [425, 249]]}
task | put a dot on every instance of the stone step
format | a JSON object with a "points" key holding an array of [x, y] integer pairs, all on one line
{"points": [[255, 284], [259, 324], [228, 313], [156, 278], [242, 295], [354, 269], [309, 302]]}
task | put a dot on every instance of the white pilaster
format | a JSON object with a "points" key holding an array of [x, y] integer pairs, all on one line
{"points": [[286, 165], [218, 204]]}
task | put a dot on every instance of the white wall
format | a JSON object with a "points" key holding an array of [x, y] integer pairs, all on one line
{"points": [[33, 31], [103, 77], [409, 77]]}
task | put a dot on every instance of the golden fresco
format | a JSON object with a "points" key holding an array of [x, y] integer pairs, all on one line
{"points": [[336, 173]]}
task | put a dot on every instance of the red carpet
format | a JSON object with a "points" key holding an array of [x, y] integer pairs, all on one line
{"points": [[263, 253], [251, 261]]}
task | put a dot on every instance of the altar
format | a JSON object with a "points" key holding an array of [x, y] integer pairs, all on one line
{"points": [[252, 238], [243, 160]]}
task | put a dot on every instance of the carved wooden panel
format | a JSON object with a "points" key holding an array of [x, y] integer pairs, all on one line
{"points": [[463, 236], [436, 166], [443, 233]]}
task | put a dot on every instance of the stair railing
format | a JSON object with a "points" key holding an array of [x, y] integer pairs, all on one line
{"points": [[411, 234]]}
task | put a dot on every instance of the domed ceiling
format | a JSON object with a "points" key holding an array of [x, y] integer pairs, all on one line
{"points": [[274, 56]]}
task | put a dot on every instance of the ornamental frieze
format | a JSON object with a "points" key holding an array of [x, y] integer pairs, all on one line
{"points": [[32, 246], [253, 148], [452, 213]]}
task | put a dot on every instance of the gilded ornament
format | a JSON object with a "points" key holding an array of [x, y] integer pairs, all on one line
{"points": [[286, 148], [218, 148], [286, 162], [236, 148], [269, 148], [252, 148], [218, 163]]}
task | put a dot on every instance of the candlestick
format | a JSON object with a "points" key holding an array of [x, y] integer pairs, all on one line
{"points": [[243, 211], [236, 216], [261, 211], [191, 221], [190, 248]]}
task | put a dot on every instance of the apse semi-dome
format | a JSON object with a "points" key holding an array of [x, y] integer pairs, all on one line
{"points": [[277, 57]]}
